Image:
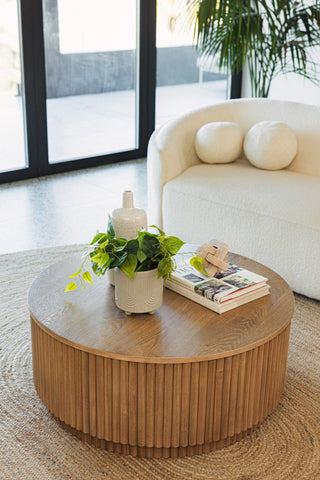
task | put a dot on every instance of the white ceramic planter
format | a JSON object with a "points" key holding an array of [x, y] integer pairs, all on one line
{"points": [[142, 294]]}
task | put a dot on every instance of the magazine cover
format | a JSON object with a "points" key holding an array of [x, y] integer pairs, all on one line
{"points": [[222, 287]]}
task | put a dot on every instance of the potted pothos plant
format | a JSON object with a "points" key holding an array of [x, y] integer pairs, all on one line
{"points": [[141, 266]]}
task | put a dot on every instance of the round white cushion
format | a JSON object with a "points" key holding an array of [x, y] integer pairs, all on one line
{"points": [[219, 142], [270, 145]]}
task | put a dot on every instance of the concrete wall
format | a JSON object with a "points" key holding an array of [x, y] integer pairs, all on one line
{"points": [[86, 73]]}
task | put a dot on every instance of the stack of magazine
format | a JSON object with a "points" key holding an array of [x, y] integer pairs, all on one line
{"points": [[225, 291]]}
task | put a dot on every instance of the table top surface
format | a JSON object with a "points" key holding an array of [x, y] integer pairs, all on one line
{"points": [[180, 330]]}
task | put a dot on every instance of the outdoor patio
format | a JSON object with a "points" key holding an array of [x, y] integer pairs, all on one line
{"points": [[89, 125]]}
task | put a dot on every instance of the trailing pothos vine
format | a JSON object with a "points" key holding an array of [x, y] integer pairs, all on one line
{"points": [[145, 252]]}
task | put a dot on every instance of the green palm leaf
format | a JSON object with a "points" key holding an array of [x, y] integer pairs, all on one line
{"points": [[270, 36]]}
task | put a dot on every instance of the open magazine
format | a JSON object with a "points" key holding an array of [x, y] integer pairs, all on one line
{"points": [[224, 291]]}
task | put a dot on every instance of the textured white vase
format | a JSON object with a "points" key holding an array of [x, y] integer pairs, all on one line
{"points": [[126, 221], [142, 294]]}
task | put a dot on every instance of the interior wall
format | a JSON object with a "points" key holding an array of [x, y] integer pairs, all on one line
{"points": [[291, 86]]}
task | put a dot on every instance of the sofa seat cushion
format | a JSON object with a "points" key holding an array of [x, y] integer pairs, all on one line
{"points": [[248, 209]]}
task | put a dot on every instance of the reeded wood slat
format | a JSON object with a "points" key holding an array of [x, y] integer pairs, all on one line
{"points": [[71, 395], [141, 397], [124, 399], [79, 397], [108, 412], [176, 405], [241, 393], [203, 383], [253, 383], [160, 402], [210, 400], [233, 395], [159, 406], [116, 401], [246, 395], [218, 399], [150, 406], [85, 392], [63, 374], [194, 403], [56, 389], [264, 376], [167, 405], [225, 397], [133, 403], [185, 404], [43, 357], [100, 410], [258, 376], [92, 395]]}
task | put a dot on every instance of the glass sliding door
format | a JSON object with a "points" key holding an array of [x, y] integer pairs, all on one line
{"points": [[12, 139], [184, 81], [91, 77]]}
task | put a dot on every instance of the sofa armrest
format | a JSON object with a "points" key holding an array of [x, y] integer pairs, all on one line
{"points": [[170, 152]]}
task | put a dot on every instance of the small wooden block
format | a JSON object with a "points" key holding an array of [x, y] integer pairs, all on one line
{"points": [[221, 264], [215, 256]]}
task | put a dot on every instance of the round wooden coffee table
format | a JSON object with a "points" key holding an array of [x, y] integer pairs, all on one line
{"points": [[180, 382]]}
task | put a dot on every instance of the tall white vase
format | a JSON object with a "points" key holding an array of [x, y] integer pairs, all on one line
{"points": [[126, 221]]}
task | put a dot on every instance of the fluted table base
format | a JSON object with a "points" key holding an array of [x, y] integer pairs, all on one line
{"points": [[158, 409]]}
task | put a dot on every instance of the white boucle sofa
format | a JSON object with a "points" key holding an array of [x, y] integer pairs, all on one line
{"points": [[270, 216]]}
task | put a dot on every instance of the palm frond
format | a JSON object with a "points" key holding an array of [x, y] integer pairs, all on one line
{"points": [[272, 36]]}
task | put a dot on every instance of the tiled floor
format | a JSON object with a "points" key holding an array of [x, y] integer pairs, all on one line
{"points": [[68, 208]]}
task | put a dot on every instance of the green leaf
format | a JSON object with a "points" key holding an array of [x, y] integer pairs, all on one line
{"points": [[132, 246], [198, 263], [118, 260], [100, 237], [164, 267], [141, 236], [159, 230], [141, 256], [120, 246], [96, 258], [87, 277], [75, 274], [71, 286], [129, 265], [150, 245], [173, 244], [104, 244], [110, 229]]}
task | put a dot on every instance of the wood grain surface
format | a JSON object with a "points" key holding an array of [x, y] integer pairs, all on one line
{"points": [[184, 381], [179, 331]]}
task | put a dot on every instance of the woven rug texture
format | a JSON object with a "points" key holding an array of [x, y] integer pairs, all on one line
{"points": [[34, 446]]}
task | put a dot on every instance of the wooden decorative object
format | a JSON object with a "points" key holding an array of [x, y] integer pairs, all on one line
{"points": [[183, 381], [215, 256]]}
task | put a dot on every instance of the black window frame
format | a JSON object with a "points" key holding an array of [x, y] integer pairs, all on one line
{"points": [[33, 72]]}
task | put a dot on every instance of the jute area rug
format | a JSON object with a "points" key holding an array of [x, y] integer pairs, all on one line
{"points": [[34, 446]]}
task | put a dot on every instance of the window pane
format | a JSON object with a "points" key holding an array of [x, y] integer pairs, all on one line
{"points": [[12, 142], [91, 77], [184, 81]]}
